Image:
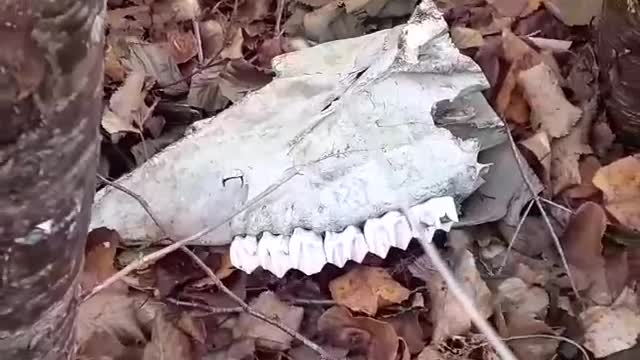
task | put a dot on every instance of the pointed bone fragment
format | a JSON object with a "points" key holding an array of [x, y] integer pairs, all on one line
{"points": [[244, 253], [306, 251], [341, 247], [433, 214], [273, 251]]}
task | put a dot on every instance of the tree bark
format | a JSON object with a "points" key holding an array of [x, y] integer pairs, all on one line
{"points": [[619, 60], [51, 69]]}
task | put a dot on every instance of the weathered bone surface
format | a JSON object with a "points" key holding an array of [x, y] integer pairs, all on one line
{"points": [[358, 120]]}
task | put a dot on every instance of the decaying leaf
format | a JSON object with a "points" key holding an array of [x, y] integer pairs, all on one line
{"points": [[448, 316], [511, 8], [182, 45], [234, 47], [157, 63], [465, 38], [167, 341], [132, 20], [360, 334], [575, 12], [212, 35], [588, 167], [267, 335], [610, 329], [100, 254], [470, 347], [567, 150], [205, 90], [540, 147], [367, 289], [582, 241], [408, 327], [550, 109], [519, 324], [620, 184], [516, 296], [252, 10]]}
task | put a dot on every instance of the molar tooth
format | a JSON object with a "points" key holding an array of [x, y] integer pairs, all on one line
{"points": [[398, 228], [273, 251], [244, 253], [307, 251], [425, 218], [341, 247], [378, 239]]}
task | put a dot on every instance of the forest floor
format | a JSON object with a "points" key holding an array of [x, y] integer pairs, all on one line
{"points": [[540, 58]]}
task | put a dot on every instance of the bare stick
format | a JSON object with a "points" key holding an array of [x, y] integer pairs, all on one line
{"points": [[514, 237], [554, 204], [156, 255], [543, 211], [244, 306], [196, 32], [279, 11], [209, 309], [478, 320]]}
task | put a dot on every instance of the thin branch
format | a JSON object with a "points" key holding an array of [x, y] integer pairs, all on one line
{"points": [[279, 11], [156, 255], [196, 32], [304, 302], [514, 237], [543, 211], [209, 309], [554, 204], [478, 320], [245, 307]]}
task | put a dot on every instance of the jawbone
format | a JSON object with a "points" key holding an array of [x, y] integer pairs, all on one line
{"points": [[355, 120]]}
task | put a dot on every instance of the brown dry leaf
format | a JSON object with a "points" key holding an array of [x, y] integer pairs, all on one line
{"points": [[182, 45], [407, 326], [465, 38], [377, 339], [511, 8], [113, 67], [167, 341], [448, 316], [132, 20], [532, 6], [470, 347], [533, 348], [269, 49], [611, 329], [540, 147], [212, 35], [496, 26], [252, 10], [574, 13], [550, 110], [172, 11], [567, 151], [234, 48], [366, 289], [589, 165], [515, 296], [267, 335], [602, 138], [126, 107], [205, 92], [239, 350], [582, 243], [620, 184], [158, 64], [317, 23], [240, 77], [100, 253], [517, 50]]}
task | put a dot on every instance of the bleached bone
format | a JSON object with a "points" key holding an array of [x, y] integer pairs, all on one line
{"points": [[307, 251], [273, 252], [244, 253], [353, 117], [340, 247]]}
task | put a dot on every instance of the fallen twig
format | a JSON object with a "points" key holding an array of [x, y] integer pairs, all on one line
{"points": [[478, 320], [279, 11], [514, 237], [584, 352], [207, 270], [543, 211]]}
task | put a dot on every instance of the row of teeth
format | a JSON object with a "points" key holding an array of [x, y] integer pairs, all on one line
{"points": [[306, 251]]}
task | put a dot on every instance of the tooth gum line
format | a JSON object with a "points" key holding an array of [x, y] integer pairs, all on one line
{"points": [[308, 251]]}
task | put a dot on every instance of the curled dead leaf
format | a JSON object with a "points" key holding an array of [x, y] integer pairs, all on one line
{"points": [[366, 289], [377, 339], [620, 184]]}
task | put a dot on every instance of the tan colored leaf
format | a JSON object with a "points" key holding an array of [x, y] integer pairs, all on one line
{"points": [[316, 23], [376, 338], [574, 13], [448, 316], [582, 242], [516, 296], [465, 38], [408, 327], [241, 349], [540, 147], [234, 48], [610, 329], [205, 92], [510, 8], [588, 167], [182, 45], [132, 20], [172, 11], [532, 6], [567, 151], [100, 254], [550, 109], [620, 184], [126, 106], [167, 342], [517, 50], [212, 35], [366, 289], [158, 64], [252, 10], [267, 335], [533, 348]]}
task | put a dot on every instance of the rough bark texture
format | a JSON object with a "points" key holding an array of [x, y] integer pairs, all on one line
{"points": [[51, 56], [619, 57]]}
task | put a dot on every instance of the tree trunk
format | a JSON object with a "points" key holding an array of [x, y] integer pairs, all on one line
{"points": [[51, 69], [619, 58]]}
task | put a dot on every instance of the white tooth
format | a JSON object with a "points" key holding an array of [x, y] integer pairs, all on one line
{"points": [[398, 228], [378, 240], [425, 218], [307, 251], [244, 253], [273, 252], [341, 247]]}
